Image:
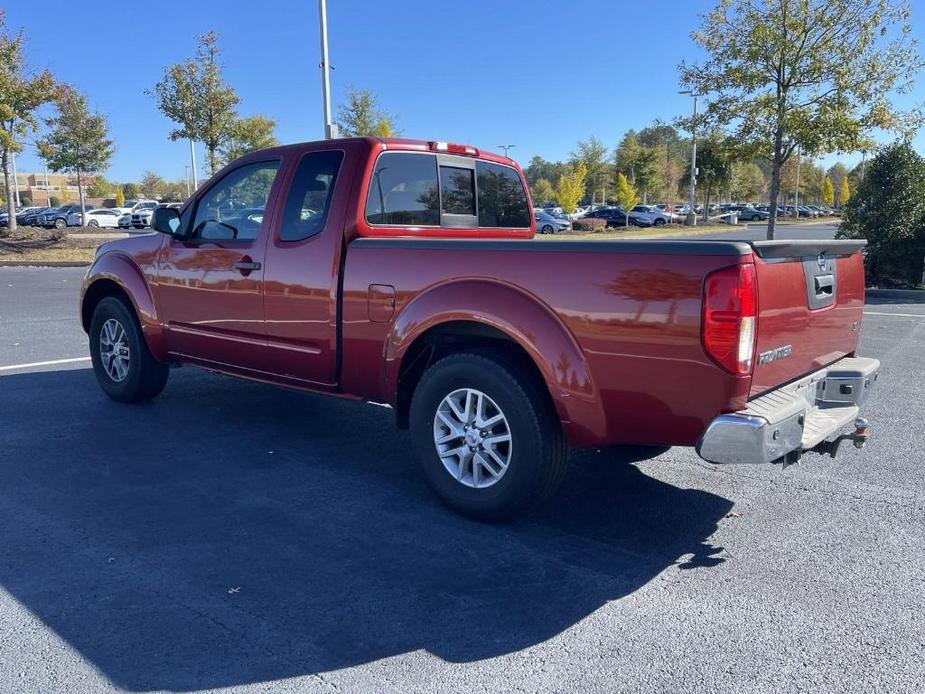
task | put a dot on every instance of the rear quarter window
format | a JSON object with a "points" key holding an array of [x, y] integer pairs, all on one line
{"points": [[502, 200], [404, 190]]}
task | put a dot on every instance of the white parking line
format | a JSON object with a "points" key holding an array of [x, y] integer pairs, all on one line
{"points": [[53, 362], [900, 315]]}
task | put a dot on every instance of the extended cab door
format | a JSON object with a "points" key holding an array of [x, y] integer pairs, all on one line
{"points": [[211, 282], [303, 265]]}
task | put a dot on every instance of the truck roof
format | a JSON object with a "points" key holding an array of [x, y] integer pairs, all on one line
{"points": [[395, 143]]}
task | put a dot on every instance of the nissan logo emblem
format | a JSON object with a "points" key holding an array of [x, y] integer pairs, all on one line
{"points": [[820, 261]]}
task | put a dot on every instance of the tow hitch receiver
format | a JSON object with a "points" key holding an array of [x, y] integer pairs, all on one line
{"points": [[859, 436]]}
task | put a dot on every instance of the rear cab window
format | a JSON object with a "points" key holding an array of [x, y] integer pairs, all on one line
{"points": [[435, 191]]}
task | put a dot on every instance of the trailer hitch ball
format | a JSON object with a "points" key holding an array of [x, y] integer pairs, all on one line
{"points": [[861, 432]]}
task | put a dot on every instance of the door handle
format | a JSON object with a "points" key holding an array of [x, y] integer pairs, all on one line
{"points": [[246, 265]]}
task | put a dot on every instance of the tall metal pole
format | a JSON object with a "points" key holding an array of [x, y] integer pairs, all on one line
{"points": [[691, 219], [330, 130], [15, 183], [796, 193], [47, 189], [189, 191], [192, 156]]}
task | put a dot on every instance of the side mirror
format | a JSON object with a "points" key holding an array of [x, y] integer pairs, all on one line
{"points": [[166, 220]]}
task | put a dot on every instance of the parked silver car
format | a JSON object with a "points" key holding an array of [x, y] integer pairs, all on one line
{"points": [[548, 224]]}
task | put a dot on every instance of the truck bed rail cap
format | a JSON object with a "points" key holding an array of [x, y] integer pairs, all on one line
{"points": [[790, 248], [652, 246]]}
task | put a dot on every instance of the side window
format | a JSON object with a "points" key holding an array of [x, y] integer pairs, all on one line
{"points": [[233, 208], [306, 209], [403, 190], [502, 200], [457, 190]]}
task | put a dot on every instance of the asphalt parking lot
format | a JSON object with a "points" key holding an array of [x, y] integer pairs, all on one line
{"points": [[233, 535]]}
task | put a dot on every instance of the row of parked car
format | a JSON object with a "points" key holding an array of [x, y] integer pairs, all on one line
{"points": [[135, 214], [551, 219]]}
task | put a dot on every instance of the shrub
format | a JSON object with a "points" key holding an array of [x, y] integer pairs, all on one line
{"points": [[589, 224], [54, 201], [888, 209], [25, 201]]}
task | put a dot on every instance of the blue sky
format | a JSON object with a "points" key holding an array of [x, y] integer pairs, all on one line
{"points": [[540, 75]]}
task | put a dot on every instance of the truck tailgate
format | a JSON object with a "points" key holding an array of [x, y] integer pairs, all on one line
{"points": [[810, 306]]}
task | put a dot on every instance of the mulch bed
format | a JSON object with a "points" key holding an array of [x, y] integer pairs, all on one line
{"points": [[25, 239]]}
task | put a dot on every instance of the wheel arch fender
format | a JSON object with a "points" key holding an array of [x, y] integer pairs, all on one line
{"points": [[522, 318], [116, 274]]}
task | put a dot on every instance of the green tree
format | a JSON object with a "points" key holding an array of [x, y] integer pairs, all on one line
{"points": [[571, 187], [714, 167], [54, 201], [541, 191], [747, 182], [361, 116], [888, 209], [247, 135], [194, 95], [813, 74], [828, 192], [540, 168], [120, 197], [131, 191], [99, 187], [844, 192], [626, 196], [22, 92], [593, 154], [78, 141], [152, 186]]}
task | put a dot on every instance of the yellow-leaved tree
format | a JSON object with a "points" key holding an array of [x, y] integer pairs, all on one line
{"points": [[828, 191], [571, 186], [120, 197], [626, 196], [844, 193]]}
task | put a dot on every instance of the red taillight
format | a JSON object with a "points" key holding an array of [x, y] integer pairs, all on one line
{"points": [[730, 311], [452, 148]]}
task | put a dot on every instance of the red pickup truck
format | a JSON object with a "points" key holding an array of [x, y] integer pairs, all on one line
{"points": [[404, 272]]}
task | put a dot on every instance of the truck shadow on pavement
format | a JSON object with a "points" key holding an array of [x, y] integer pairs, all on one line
{"points": [[231, 533]]}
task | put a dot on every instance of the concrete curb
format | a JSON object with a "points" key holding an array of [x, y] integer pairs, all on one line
{"points": [[43, 263]]}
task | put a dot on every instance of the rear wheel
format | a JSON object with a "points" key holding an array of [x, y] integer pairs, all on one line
{"points": [[486, 436], [122, 362]]}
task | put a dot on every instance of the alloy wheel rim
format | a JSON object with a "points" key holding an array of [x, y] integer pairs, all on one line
{"points": [[473, 438], [114, 350]]}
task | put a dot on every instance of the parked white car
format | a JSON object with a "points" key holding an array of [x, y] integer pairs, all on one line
{"points": [[103, 217], [133, 205], [651, 214], [548, 224]]}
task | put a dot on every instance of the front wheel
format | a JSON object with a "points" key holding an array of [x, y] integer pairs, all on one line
{"points": [[547, 229], [122, 362], [486, 436], [93, 223], [60, 223], [659, 221]]}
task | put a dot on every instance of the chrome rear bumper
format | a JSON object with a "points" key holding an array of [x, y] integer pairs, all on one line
{"points": [[797, 417]]}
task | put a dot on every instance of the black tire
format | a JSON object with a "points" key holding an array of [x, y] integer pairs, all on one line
{"points": [[756, 217], [60, 223], [547, 229], [145, 377], [93, 223], [658, 222], [538, 453]]}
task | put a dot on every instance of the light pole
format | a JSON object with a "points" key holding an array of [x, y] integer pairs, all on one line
{"points": [[330, 130], [506, 148], [796, 193], [691, 219], [189, 192], [192, 158]]}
